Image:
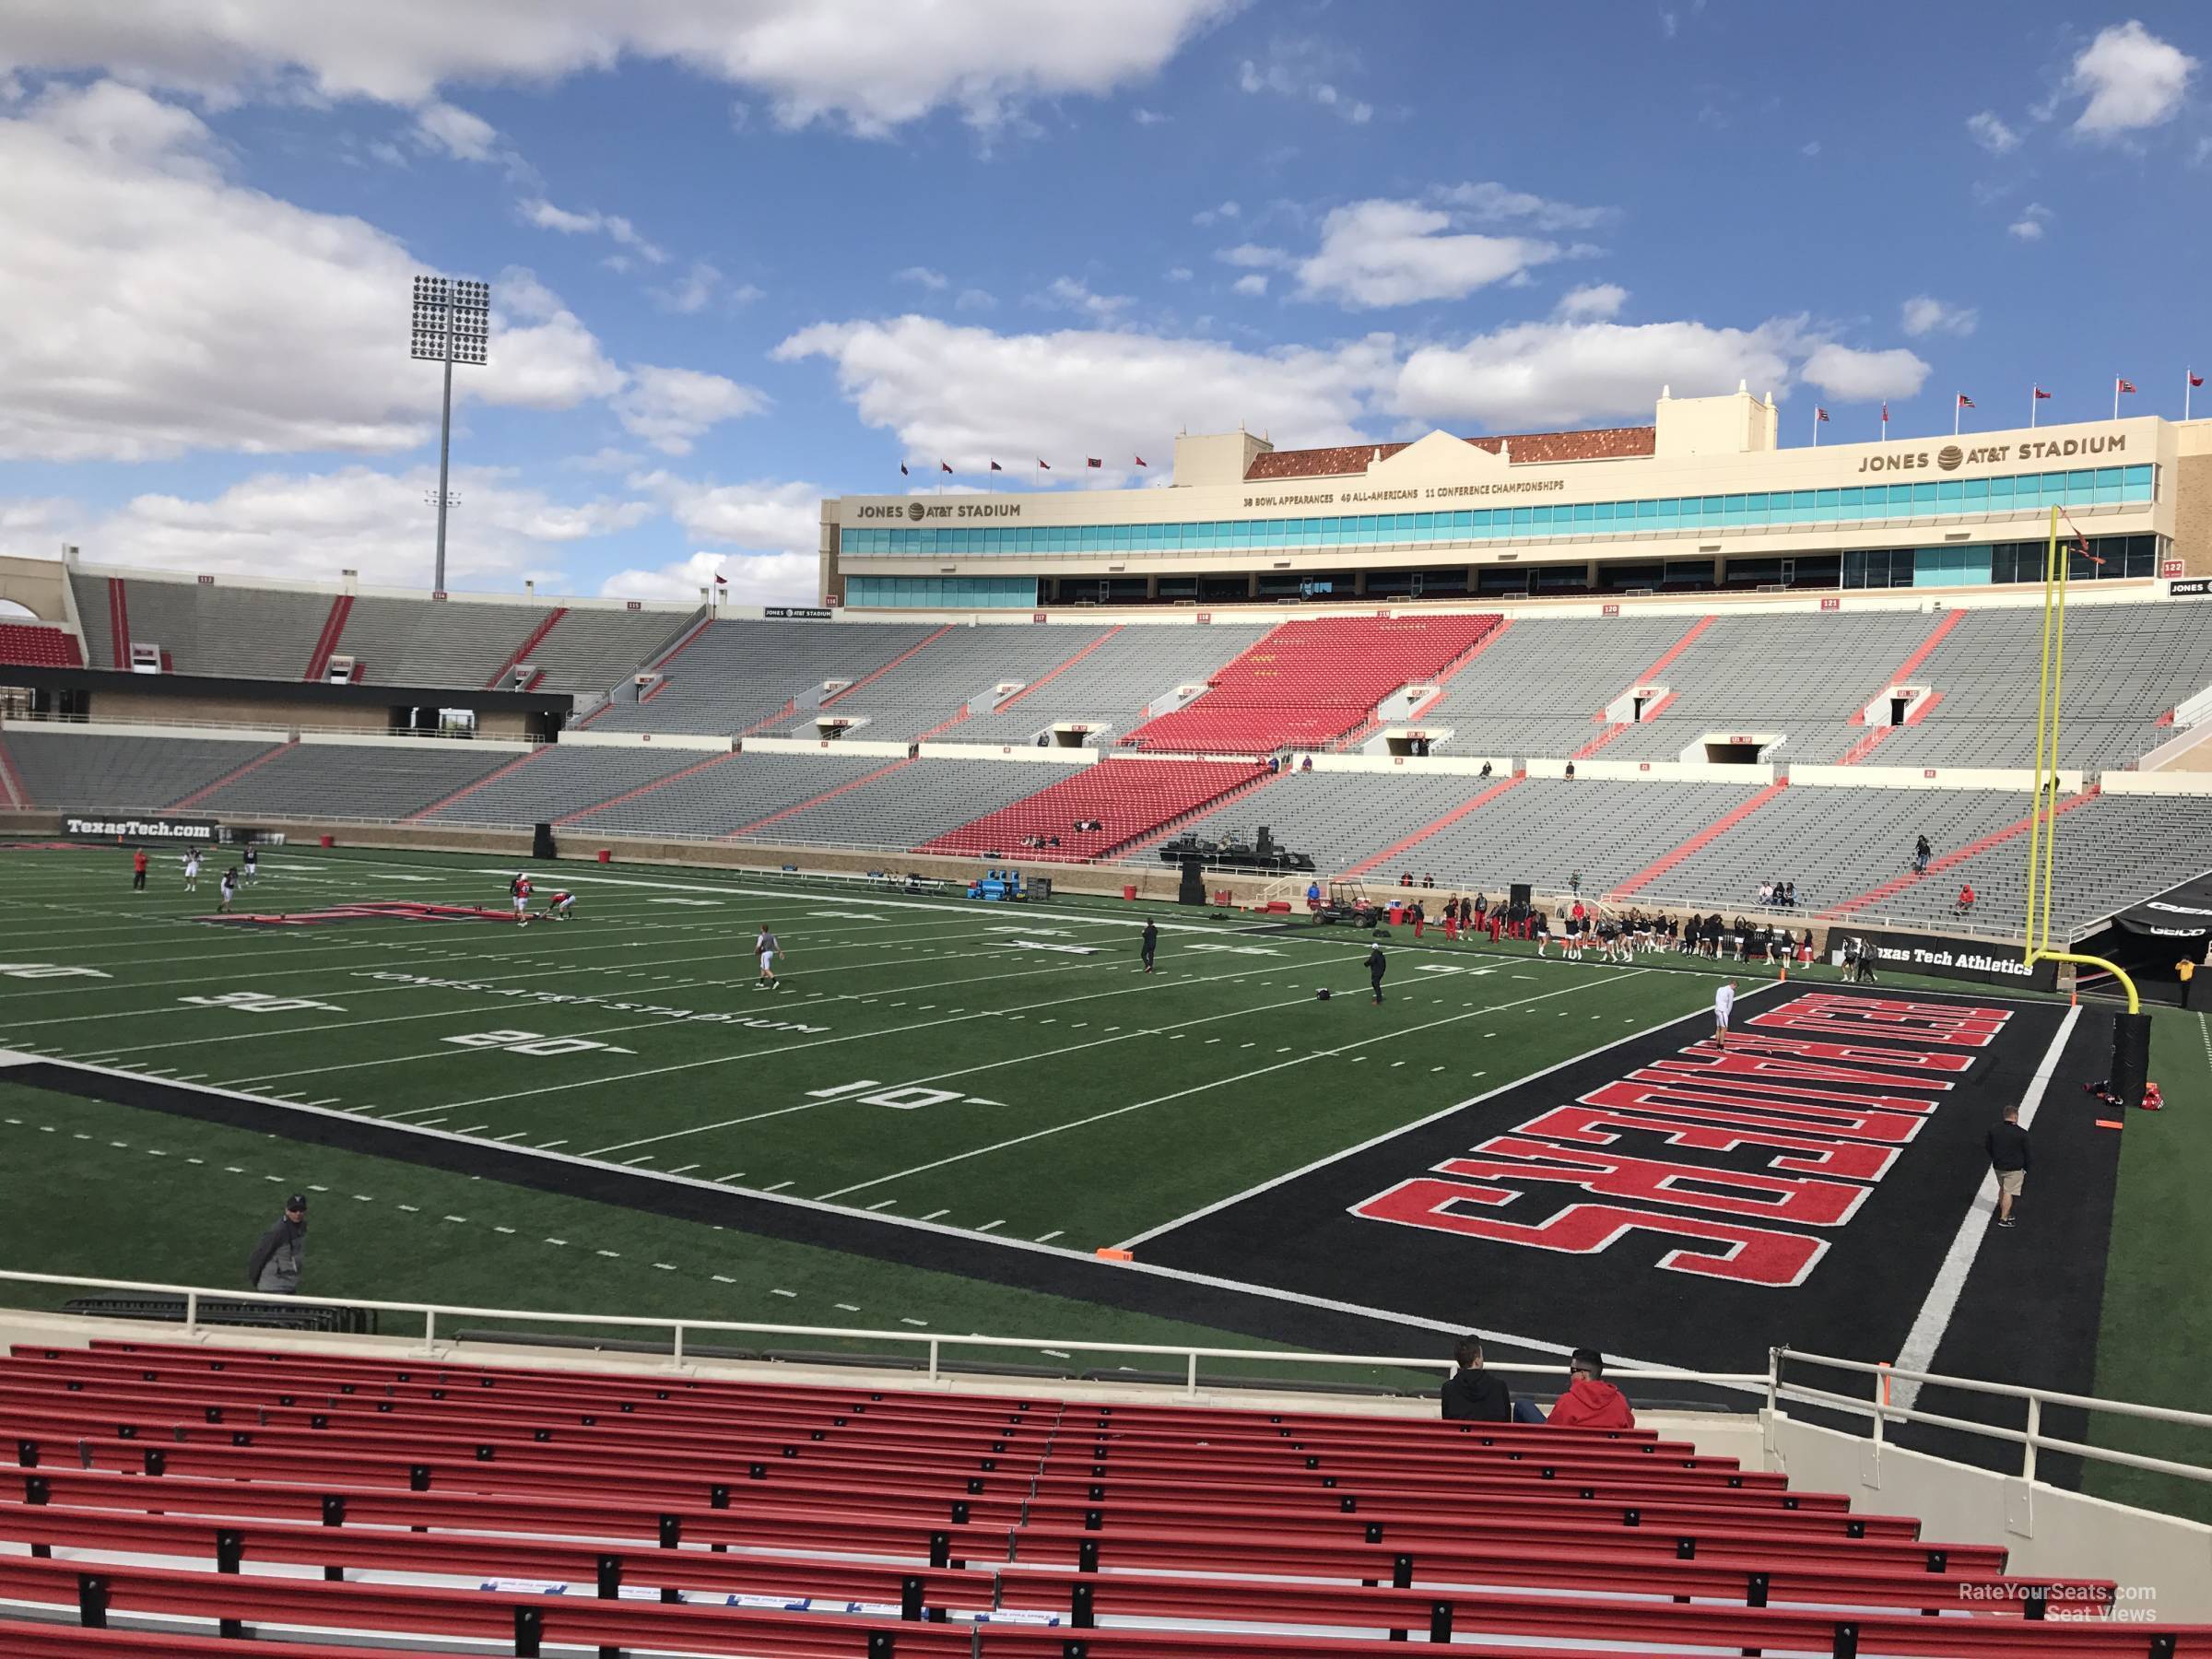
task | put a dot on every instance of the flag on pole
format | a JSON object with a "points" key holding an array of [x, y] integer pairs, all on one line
{"points": [[1822, 414], [2194, 379], [1885, 420], [2041, 393], [1092, 461], [903, 472], [996, 468], [944, 466], [720, 580], [1044, 465], [2125, 385], [1965, 401], [1140, 459]]}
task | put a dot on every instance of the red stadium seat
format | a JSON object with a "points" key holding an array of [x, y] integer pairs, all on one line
{"points": [[1128, 799], [1309, 683], [35, 645]]}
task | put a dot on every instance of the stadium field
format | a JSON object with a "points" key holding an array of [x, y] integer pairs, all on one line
{"points": [[943, 1110]]}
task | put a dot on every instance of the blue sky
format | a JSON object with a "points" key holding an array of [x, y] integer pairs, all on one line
{"points": [[747, 253]]}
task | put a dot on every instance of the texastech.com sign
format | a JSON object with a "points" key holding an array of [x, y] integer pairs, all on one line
{"points": [[135, 829]]}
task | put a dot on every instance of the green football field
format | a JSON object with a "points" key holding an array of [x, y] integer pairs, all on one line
{"points": [[1006, 1073]]}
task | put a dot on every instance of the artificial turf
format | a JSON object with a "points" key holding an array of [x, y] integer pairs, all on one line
{"points": [[1003, 1071]]}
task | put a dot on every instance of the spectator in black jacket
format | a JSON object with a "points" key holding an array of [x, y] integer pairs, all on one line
{"points": [[2008, 1147], [1473, 1394]]}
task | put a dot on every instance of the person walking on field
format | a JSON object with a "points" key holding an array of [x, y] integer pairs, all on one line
{"points": [[1377, 966], [1723, 1004], [766, 948], [2007, 1144], [279, 1255], [138, 870], [1149, 942], [192, 869]]}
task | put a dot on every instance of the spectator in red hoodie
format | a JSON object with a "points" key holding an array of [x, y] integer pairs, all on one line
{"points": [[1590, 1401]]}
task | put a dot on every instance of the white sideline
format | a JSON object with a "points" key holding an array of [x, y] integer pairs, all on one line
{"points": [[1925, 1337]]}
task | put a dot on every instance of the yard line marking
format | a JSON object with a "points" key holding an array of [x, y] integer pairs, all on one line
{"points": [[1918, 1351], [934, 1214], [721, 1279], [1048, 1238], [1268, 1185], [503, 1230], [777, 1188], [683, 1169], [456, 1217], [641, 1158], [514, 1135], [666, 1266], [987, 1226], [472, 1129], [883, 1203], [847, 1307]]}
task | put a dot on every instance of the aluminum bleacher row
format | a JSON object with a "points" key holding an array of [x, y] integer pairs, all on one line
{"points": [[194, 1490], [238, 630]]}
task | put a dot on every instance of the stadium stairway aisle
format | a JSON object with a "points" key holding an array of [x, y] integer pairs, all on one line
{"points": [[448, 1502]]}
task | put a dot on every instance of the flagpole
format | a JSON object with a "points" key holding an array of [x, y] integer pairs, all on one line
{"points": [[2033, 401], [2115, 397], [1816, 428], [1957, 406], [2188, 380]]}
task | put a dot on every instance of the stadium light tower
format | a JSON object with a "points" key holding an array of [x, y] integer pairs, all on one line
{"points": [[452, 322]]}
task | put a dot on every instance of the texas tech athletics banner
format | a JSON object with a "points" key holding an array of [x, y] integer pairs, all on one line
{"points": [[1984, 963]]}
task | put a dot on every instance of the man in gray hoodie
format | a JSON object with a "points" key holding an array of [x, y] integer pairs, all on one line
{"points": [[280, 1253]]}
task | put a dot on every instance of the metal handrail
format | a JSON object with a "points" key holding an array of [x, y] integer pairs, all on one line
{"points": [[933, 1342]]}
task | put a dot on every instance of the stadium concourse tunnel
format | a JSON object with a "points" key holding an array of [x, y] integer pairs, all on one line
{"points": [[541, 843]]}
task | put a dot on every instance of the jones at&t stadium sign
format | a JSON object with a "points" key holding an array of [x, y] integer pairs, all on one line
{"points": [[916, 512], [1952, 456], [133, 828]]}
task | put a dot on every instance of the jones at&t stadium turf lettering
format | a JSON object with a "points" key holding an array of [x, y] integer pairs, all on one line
{"points": [[1821, 1091]]}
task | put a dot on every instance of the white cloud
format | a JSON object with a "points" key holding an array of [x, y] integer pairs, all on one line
{"points": [[1992, 133], [149, 306], [1562, 374], [543, 213], [865, 66], [1148, 117], [757, 579], [761, 516], [1253, 285], [1383, 253], [1598, 301], [1306, 69], [922, 274], [1068, 293], [966, 394], [1250, 256], [1859, 376], [670, 409], [458, 133], [1491, 203], [1811, 147], [1179, 272], [1925, 314], [975, 299], [1206, 215], [695, 289], [310, 527], [2132, 78], [2030, 226]]}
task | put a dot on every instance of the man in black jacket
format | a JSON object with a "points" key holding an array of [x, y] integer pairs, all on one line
{"points": [[1377, 966], [1149, 942], [2008, 1147], [280, 1253], [1472, 1394]]}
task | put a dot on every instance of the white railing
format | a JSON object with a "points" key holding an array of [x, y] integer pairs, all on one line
{"points": [[1879, 1407], [276, 723], [1876, 1406], [677, 1331]]}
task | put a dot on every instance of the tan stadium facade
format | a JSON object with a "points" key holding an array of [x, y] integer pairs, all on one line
{"points": [[1702, 499]]}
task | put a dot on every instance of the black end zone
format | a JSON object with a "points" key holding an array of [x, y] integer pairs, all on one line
{"points": [[1603, 1203]]}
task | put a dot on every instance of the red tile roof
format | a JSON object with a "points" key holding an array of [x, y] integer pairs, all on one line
{"points": [[1529, 449]]}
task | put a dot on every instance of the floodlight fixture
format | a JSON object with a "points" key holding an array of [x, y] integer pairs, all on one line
{"points": [[452, 325]]}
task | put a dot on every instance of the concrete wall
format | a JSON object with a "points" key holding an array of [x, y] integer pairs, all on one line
{"points": [[2047, 1530], [37, 585]]}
